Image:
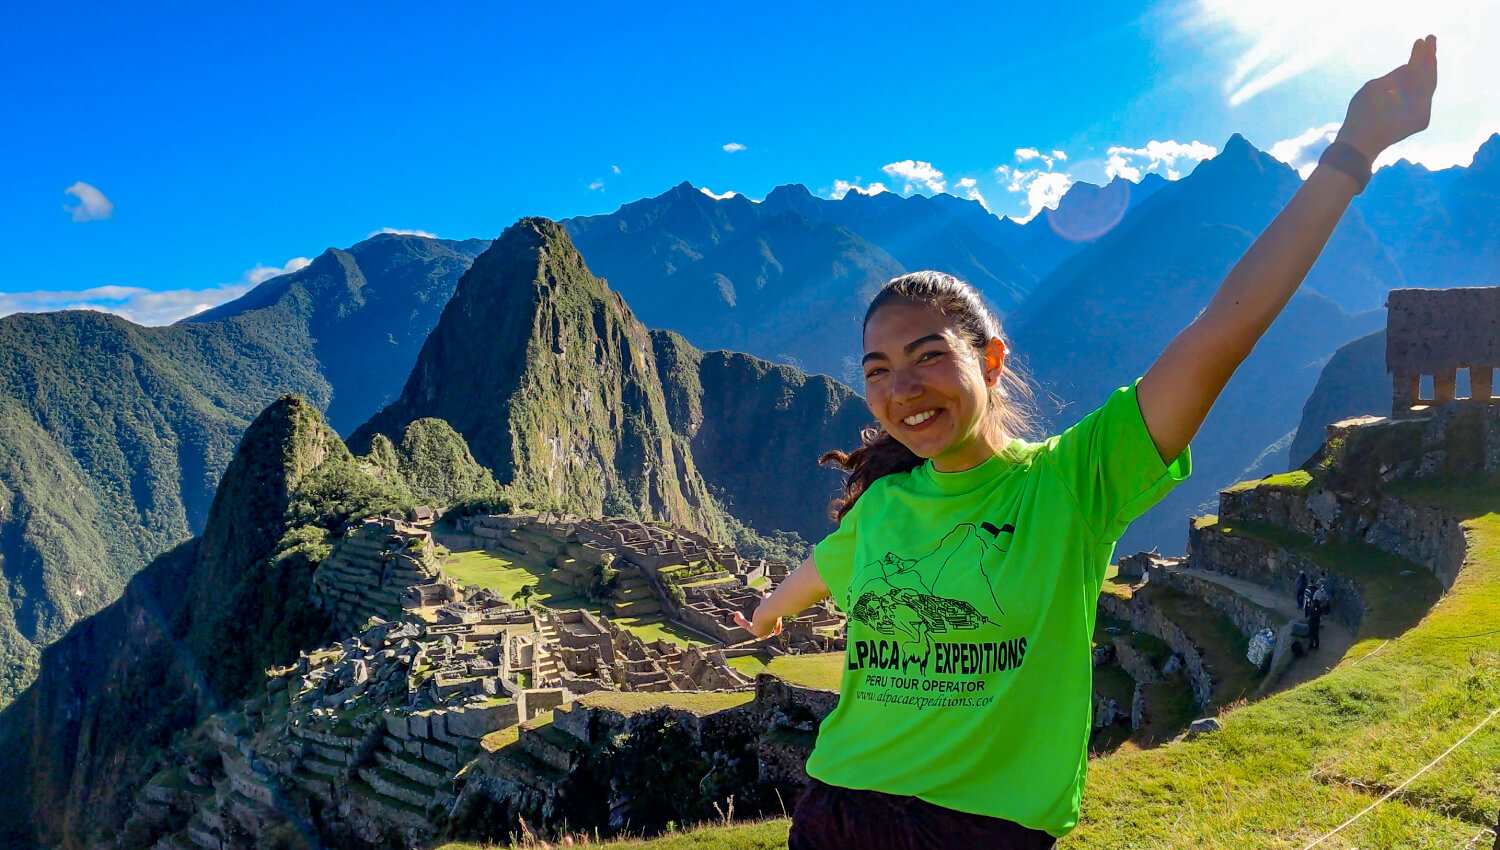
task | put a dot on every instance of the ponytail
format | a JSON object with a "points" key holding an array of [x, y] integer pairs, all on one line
{"points": [[879, 455]]}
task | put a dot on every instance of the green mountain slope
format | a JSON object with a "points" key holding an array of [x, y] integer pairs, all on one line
{"points": [[113, 436], [191, 633]]}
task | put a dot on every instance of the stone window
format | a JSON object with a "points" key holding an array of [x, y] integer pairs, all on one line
{"points": [[1461, 383], [1424, 389]]}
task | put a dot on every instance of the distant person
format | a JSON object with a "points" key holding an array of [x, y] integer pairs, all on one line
{"points": [[969, 558], [1320, 597], [1301, 588], [1314, 620]]}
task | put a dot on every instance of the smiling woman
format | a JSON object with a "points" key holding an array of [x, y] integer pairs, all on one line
{"points": [[925, 335], [970, 560]]}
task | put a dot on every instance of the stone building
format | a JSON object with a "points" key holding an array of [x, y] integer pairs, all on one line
{"points": [[1437, 334]]}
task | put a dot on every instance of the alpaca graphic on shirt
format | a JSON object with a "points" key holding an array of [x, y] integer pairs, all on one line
{"points": [[913, 599]]}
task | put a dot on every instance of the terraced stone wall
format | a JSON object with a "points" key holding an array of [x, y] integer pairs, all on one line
{"points": [[1248, 617], [1146, 617]]}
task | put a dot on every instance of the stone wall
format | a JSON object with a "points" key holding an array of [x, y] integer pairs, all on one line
{"points": [[1282, 508], [1212, 550], [1248, 617], [1145, 617]]}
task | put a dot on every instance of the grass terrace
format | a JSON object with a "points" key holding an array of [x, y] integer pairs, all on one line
{"points": [[506, 576], [1287, 770], [816, 670], [1290, 768]]}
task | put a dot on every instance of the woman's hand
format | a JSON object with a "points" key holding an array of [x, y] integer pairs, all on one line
{"points": [[759, 626], [1390, 108]]}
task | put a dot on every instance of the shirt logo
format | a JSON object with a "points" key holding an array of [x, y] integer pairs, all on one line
{"points": [[917, 601]]}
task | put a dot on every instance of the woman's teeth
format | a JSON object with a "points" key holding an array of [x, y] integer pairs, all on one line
{"points": [[919, 418]]}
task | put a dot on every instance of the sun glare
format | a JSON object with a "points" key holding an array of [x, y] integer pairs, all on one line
{"points": [[1275, 41], [1289, 37]]}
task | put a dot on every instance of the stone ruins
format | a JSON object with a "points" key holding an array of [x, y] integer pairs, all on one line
{"points": [[1436, 333]]}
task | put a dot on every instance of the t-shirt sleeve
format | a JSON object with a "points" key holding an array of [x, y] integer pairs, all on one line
{"points": [[833, 556], [1112, 467]]}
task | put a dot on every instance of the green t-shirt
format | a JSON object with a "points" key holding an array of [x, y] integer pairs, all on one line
{"points": [[971, 599]]}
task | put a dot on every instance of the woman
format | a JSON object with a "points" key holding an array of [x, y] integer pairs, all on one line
{"points": [[970, 560]]}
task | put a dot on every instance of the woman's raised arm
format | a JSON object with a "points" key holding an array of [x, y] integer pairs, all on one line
{"points": [[1177, 391]]}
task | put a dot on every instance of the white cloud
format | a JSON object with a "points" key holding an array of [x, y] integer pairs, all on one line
{"points": [[970, 188], [400, 232], [1044, 189], [844, 187], [914, 172], [597, 184], [729, 194], [1116, 166], [259, 274], [140, 305], [615, 169], [1435, 153], [1167, 158], [91, 206], [1042, 186], [1301, 152], [733, 146]]}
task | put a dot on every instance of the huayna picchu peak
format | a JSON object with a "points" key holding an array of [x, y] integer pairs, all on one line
{"points": [[552, 382]]}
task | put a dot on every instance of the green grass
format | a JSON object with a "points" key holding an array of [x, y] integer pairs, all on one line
{"points": [[1290, 768], [756, 835], [1111, 680], [750, 665], [1221, 643], [1297, 479], [654, 627], [505, 577], [815, 670]]}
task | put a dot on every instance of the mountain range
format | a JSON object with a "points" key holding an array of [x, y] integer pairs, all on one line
{"points": [[104, 468]]}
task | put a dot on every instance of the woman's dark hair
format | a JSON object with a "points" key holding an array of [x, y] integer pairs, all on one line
{"points": [[1011, 402]]}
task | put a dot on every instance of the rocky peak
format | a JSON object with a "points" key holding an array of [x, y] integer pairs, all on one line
{"points": [[552, 381], [284, 443]]}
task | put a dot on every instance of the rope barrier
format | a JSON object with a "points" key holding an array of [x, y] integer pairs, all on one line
{"points": [[1370, 653], [1394, 791]]}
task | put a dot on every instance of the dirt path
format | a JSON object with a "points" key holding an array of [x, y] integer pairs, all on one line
{"points": [[1334, 639]]}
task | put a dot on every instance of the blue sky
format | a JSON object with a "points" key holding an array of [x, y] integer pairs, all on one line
{"points": [[165, 158]]}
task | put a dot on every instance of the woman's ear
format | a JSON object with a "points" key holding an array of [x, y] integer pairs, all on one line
{"points": [[994, 360]]}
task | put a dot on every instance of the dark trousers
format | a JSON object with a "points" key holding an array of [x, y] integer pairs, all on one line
{"points": [[828, 816], [1313, 624]]}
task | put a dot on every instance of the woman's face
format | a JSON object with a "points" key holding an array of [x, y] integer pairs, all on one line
{"points": [[927, 386]]}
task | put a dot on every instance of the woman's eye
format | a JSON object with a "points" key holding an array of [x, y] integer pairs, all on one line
{"points": [[873, 373], [924, 357]]}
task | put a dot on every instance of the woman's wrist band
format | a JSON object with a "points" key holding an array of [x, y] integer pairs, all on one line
{"points": [[1342, 156]]}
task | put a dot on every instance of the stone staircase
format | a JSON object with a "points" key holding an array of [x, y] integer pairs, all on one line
{"points": [[548, 665]]}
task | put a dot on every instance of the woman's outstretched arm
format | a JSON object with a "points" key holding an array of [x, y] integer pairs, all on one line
{"points": [[796, 593], [1178, 390]]}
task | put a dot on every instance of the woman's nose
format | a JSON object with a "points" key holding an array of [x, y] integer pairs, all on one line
{"points": [[905, 384]]}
